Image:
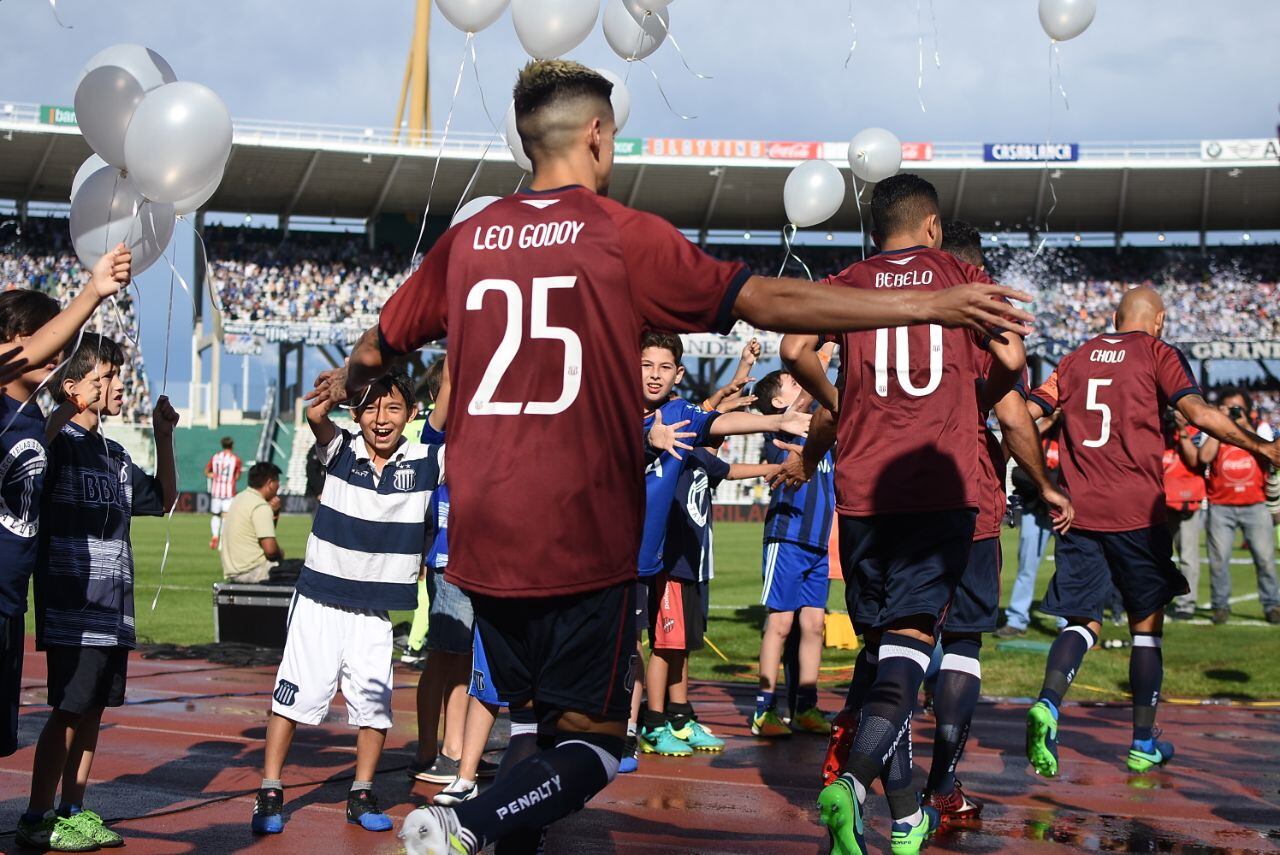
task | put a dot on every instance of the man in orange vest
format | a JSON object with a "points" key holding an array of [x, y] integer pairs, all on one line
{"points": [[1184, 493], [1235, 481]]}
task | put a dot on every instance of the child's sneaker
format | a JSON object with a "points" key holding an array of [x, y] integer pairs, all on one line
{"points": [[441, 770], [92, 826], [456, 793], [363, 810], [811, 721], [663, 741], [699, 737], [52, 833], [769, 724], [268, 812], [630, 755], [907, 838]]}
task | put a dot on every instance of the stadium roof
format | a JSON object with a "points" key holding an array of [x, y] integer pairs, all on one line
{"points": [[352, 172]]}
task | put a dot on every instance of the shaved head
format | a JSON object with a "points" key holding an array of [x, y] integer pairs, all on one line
{"points": [[1142, 309], [556, 103]]}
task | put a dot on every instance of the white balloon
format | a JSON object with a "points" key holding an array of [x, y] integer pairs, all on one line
{"points": [[551, 28], [813, 193], [108, 211], [875, 154], [621, 97], [471, 16], [632, 31], [1066, 19], [514, 142], [653, 5], [110, 87], [472, 208], [178, 141], [196, 200], [90, 166]]}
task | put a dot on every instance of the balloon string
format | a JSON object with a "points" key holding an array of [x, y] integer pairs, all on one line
{"points": [[919, 60], [471, 182], [663, 92], [1048, 139], [854, 26], [1057, 62], [857, 198], [789, 233], [937, 53], [53, 4], [475, 174], [164, 387], [444, 138], [215, 296], [670, 36], [484, 105], [520, 183]]}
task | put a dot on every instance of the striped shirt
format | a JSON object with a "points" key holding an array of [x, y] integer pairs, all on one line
{"points": [[84, 572], [801, 514], [225, 467], [370, 531]]}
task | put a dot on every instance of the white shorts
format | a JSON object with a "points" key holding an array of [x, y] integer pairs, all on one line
{"points": [[218, 507], [328, 648]]}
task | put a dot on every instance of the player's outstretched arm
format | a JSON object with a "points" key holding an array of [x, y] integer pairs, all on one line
{"points": [[1007, 367], [800, 356], [1219, 427], [440, 412], [747, 471], [1023, 441], [797, 305], [734, 424]]}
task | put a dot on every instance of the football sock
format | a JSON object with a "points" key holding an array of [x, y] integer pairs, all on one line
{"points": [[959, 681], [764, 702], [1065, 657], [791, 665], [1146, 672], [650, 720], [887, 711], [272, 784], [215, 525], [357, 786], [524, 744], [806, 698], [543, 788], [896, 779], [864, 676], [679, 715]]}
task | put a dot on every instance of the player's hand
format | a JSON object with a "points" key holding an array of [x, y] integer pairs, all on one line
{"points": [[792, 472], [750, 353], [111, 274], [87, 393], [794, 422], [1060, 509], [1271, 451], [669, 438], [164, 419], [735, 401], [981, 307], [330, 391], [276, 504]]}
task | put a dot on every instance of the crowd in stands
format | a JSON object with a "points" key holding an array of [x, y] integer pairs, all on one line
{"points": [[37, 254]]}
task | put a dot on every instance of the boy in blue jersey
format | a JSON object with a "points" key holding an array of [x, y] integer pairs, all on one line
{"points": [[363, 560], [84, 587], [797, 531], [671, 609]]}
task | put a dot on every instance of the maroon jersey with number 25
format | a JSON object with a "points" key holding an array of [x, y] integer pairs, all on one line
{"points": [[1113, 391], [543, 297], [905, 439]]}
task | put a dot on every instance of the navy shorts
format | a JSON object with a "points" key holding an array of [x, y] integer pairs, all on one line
{"points": [[481, 687], [83, 678], [976, 604], [452, 622], [795, 576], [900, 565], [575, 652], [12, 630], [673, 610], [1139, 563]]}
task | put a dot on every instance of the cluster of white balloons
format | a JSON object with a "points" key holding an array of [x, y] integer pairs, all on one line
{"points": [[815, 189], [1066, 19], [160, 147]]}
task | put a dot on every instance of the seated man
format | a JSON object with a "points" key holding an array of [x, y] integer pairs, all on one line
{"points": [[250, 550]]}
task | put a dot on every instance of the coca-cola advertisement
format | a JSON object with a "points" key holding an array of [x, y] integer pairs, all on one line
{"points": [[917, 151], [794, 150]]}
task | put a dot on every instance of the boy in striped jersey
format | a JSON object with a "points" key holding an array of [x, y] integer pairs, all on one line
{"points": [[363, 559]]}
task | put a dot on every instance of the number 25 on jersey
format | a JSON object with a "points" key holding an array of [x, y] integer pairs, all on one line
{"points": [[482, 403]]}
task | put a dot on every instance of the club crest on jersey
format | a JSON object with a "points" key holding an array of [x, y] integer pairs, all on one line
{"points": [[477, 680], [285, 694], [404, 479]]}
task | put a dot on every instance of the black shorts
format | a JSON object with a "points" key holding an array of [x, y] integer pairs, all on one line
{"points": [[673, 609], [976, 604], [900, 565], [566, 653], [82, 678], [1139, 563], [12, 631]]}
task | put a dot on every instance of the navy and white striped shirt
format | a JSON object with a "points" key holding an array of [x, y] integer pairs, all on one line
{"points": [[84, 572], [371, 529], [801, 514]]}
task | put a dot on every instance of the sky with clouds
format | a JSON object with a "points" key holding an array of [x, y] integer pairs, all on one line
{"points": [[1145, 70]]}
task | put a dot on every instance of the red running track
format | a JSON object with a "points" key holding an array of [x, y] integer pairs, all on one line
{"points": [[177, 766]]}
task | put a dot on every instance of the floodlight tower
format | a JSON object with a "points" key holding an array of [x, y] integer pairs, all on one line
{"points": [[416, 89]]}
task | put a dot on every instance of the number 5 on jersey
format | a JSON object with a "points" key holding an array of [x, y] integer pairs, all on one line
{"points": [[1092, 403], [482, 403]]}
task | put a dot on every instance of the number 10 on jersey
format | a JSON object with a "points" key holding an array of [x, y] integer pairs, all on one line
{"points": [[482, 402]]}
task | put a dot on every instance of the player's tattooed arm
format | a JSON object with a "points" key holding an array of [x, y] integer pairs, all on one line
{"points": [[800, 355], [802, 461], [320, 403], [1221, 428], [1008, 364], [1023, 441]]}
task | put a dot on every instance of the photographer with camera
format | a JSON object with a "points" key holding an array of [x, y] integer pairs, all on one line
{"points": [[1237, 501]]}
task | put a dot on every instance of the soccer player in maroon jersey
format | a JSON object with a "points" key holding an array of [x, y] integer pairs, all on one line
{"points": [[544, 296], [1113, 391], [908, 489]]}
